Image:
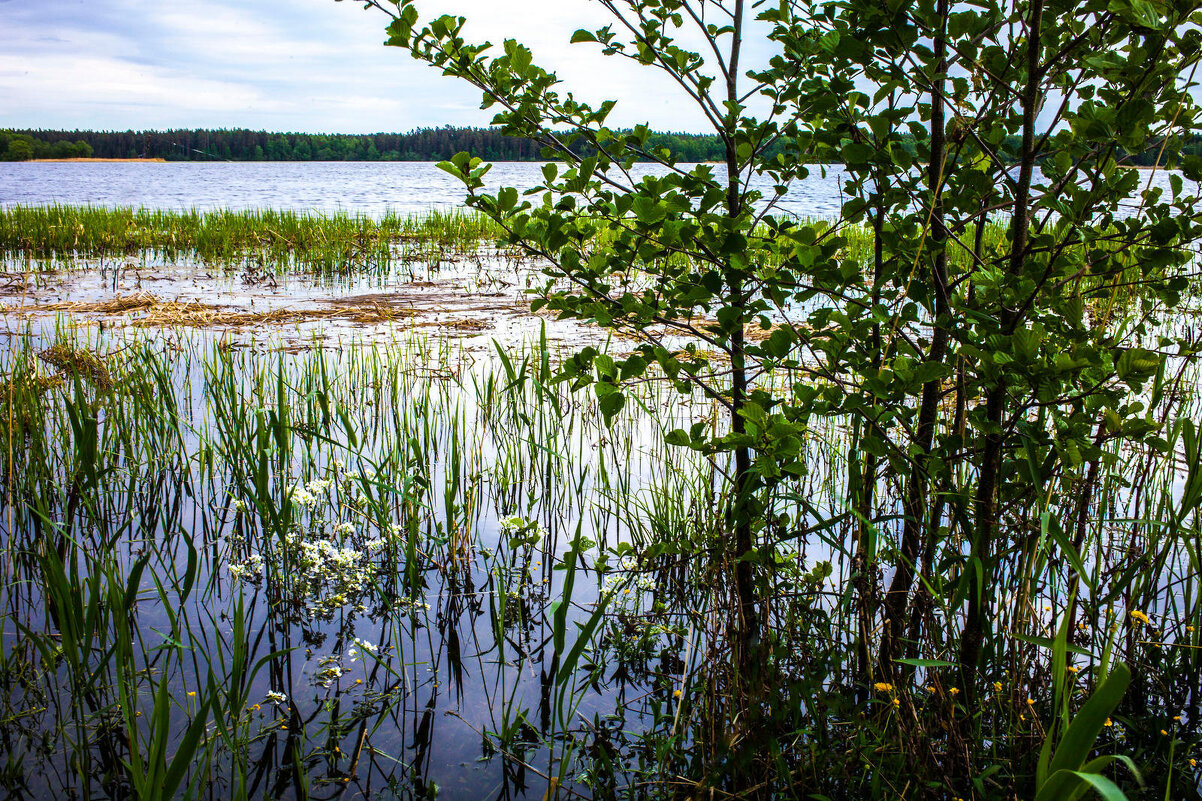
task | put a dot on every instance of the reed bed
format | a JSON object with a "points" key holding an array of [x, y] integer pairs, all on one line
{"points": [[336, 242], [340, 243]]}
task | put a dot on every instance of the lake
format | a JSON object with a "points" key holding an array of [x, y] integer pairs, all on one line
{"points": [[368, 187]]}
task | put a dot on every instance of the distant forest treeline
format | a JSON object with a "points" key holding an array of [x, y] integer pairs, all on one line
{"points": [[423, 144]]}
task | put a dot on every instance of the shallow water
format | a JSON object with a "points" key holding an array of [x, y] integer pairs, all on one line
{"points": [[425, 397], [419, 711]]}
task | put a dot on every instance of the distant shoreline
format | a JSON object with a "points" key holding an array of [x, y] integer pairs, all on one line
{"points": [[143, 161]]}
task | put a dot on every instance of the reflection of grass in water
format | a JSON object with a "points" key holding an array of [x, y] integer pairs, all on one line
{"points": [[331, 549]]}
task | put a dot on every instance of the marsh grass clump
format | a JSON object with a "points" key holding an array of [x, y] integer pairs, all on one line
{"points": [[146, 310], [252, 241], [81, 362]]}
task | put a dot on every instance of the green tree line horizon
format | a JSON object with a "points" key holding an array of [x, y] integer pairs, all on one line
{"points": [[240, 144], [419, 144]]}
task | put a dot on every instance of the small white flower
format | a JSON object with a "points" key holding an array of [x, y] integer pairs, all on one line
{"points": [[249, 570]]}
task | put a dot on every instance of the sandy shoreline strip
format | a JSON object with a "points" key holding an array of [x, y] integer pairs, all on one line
{"points": [[130, 161]]}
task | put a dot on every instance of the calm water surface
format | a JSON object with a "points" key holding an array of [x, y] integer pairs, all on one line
{"points": [[365, 187], [368, 187]]}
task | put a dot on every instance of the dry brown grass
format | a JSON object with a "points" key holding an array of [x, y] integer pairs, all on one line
{"points": [[79, 361], [147, 310]]}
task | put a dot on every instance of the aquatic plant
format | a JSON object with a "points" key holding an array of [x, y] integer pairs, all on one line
{"points": [[252, 240]]}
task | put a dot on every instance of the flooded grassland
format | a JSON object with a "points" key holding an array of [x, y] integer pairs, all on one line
{"points": [[290, 517]]}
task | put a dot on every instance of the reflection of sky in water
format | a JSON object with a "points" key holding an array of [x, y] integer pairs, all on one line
{"points": [[437, 711]]}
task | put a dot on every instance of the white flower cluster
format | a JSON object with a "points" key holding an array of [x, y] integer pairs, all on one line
{"points": [[516, 525], [358, 645], [307, 495], [620, 576], [275, 697], [328, 577], [250, 571], [329, 670], [511, 525]]}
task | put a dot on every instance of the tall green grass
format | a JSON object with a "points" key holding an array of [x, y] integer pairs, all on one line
{"points": [[337, 242]]}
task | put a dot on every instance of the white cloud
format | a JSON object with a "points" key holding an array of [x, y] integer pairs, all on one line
{"points": [[310, 65]]}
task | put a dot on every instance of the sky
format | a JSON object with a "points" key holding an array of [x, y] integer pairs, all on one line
{"points": [[286, 65]]}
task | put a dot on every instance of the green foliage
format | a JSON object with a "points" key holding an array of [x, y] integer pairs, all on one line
{"points": [[1069, 772], [24, 146], [983, 376]]}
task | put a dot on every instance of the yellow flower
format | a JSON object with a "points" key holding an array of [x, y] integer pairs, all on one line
{"points": [[1164, 733], [1030, 702], [1189, 629], [1138, 616], [1022, 717], [1193, 763], [358, 681], [1109, 722], [897, 702], [1177, 718], [192, 694], [883, 687], [997, 686], [676, 693], [954, 691], [1073, 668]]}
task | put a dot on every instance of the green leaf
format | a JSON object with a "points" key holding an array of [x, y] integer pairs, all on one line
{"points": [[582, 639], [925, 663], [1083, 732], [185, 752], [1065, 782]]}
